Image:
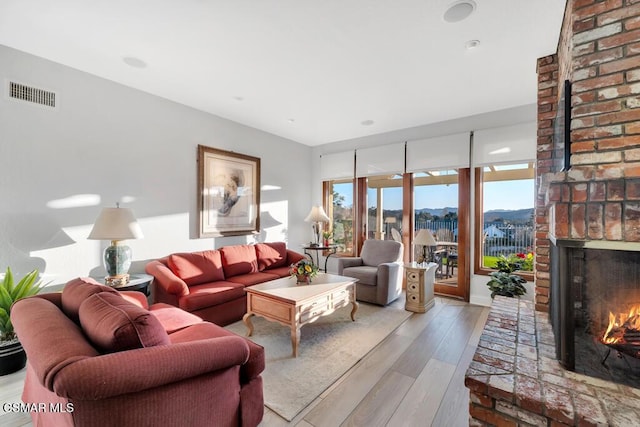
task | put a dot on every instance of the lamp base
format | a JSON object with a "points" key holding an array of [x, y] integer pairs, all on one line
{"points": [[117, 260], [117, 280]]}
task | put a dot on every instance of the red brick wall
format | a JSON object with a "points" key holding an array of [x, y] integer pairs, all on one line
{"points": [[599, 198]]}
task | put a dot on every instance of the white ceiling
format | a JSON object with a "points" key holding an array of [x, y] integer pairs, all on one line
{"points": [[310, 71]]}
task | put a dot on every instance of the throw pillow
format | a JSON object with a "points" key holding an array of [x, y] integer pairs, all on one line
{"points": [[78, 290], [239, 259], [271, 255], [114, 324], [196, 268]]}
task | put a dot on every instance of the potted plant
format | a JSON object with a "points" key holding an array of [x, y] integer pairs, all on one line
{"points": [[504, 282], [326, 236], [12, 355]]}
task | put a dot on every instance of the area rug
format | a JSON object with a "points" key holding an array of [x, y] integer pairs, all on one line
{"points": [[328, 348]]}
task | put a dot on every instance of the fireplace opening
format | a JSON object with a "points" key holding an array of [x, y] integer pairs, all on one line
{"points": [[595, 311]]}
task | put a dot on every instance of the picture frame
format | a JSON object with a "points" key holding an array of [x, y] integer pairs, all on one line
{"points": [[228, 193]]}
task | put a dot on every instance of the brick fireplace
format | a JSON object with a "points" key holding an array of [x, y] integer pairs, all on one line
{"points": [[598, 198], [594, 202]]}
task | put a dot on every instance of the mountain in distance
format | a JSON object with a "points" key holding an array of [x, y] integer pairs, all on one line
{"points": [[517, 215], [437, 211]]}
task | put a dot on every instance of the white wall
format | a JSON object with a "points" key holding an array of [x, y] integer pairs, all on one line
{"points": [[478, 291], [112, 141]]}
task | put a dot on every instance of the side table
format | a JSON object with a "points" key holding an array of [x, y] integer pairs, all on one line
{"points": [[137, 282], [420, 286], [331, 249]]}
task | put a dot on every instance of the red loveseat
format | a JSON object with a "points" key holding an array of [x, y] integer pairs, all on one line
{"points": [[97, 357], [211, 283]]}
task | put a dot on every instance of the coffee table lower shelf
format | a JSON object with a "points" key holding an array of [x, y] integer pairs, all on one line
{"points": [[293, 305]]}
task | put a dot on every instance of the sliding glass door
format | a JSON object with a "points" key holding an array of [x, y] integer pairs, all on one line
{"points": [[441, 206]]}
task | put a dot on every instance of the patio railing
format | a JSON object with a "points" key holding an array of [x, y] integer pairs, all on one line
{"points": [[499, 239]]}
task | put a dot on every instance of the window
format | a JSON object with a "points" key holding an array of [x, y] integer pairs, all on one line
{"points": [[384, 207], [505, 215], [340, 211]]}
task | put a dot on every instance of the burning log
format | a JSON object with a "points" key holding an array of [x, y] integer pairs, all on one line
{"points": [[623, 333]]}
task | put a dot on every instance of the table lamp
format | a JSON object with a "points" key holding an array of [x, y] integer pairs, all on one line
{"points": [[316, 216], [116, 224], [424, 239]]}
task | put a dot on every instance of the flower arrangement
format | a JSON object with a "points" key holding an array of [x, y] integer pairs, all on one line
{"points": [[304, 270]]}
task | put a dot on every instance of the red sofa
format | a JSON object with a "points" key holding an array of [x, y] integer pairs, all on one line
{"points": [[211, 283], [97, 357]]}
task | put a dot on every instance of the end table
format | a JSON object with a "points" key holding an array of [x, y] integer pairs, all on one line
{"points": [[329, 249], [420, 280], [137, 282]]}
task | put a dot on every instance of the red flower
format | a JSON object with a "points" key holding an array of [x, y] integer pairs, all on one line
{"points": [[521, 255]]}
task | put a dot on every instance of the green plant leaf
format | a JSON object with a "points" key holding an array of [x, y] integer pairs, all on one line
{"points": [[27, 286], [5, 299], [7, 282]]}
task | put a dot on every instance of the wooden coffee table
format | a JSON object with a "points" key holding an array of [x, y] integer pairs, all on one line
{"points": [[293, 305]]}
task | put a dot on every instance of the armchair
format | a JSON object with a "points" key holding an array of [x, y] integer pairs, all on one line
{"points": [[378, 270]]}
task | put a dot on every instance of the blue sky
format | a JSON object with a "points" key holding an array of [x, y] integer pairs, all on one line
{"points": [[510, 195]]}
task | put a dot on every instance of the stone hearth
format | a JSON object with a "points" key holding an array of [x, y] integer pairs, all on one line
{"points": [[514, 378]]}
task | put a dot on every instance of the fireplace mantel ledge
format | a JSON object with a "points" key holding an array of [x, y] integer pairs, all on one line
{"points": [[612, 245]]}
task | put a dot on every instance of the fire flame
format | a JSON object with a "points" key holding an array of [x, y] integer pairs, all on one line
{"points": [[625, 323]]}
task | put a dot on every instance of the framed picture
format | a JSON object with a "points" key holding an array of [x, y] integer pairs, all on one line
{"points": [[228, 193]]}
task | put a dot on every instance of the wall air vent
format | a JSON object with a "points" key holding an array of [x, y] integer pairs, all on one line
{"points": [[20, 92]]}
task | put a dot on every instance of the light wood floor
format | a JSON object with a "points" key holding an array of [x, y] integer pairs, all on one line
{"points": [[415, 377]]}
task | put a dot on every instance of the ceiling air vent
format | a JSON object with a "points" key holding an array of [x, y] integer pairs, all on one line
{"points": [[22, 92]]}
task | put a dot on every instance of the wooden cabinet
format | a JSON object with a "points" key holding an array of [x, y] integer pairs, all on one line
{"points": [[420, 286]]}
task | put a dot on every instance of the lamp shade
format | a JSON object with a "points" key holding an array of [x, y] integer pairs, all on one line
{"points": [[116, 224], [317, 214], [424, 238]]}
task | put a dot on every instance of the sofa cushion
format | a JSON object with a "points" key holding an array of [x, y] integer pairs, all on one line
{"points": [[195, 268], [114, 324], [271, 255], [210, 294], [365, 274], [279, 271], [172, 318], [78, 290], [253, 278], [239, 259]]}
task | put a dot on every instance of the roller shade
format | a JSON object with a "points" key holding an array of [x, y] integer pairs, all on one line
{"points": [[384, 160], [509, 144], [336, 166], [443, 152]]}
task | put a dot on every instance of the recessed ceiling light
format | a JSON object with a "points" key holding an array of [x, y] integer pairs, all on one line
{"points": [[291, 120], [238, 98], [134, 62], [459, 10], [367, 122], [472, 44]]}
